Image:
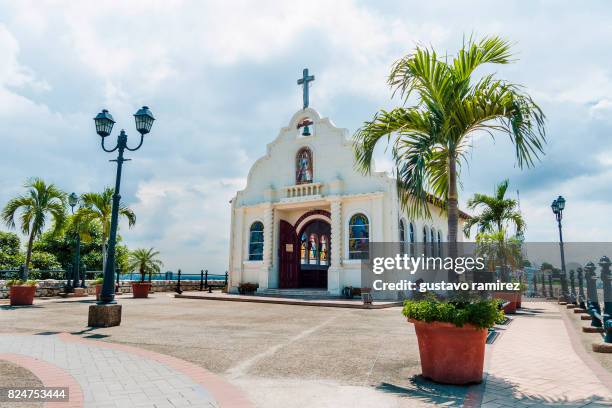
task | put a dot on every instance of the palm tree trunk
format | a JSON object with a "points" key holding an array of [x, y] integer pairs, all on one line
{"points": [[453, 213], [29, 254]]}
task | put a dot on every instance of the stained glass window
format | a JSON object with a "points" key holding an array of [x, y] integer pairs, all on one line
{"points": [[323, 254], [303, 166], [256, 241], [359, 237], [304, 249], [314, 249]]}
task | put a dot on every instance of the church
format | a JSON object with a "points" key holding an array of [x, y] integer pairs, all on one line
{"points": [[306, 217]]}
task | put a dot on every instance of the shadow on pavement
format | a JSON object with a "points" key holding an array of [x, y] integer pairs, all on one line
{"points": [[500, 388], [9, 307], [429, 391]]}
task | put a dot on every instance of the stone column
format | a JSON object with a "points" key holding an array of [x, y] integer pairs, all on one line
{"points": [[236, 249], [268, 220], [337, 237]]}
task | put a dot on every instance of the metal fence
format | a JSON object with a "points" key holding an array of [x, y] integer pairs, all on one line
{"points": [[62, 274]]}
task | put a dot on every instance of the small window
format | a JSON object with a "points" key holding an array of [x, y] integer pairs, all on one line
{"points": [[256, 241], [359, 237], [439, 243], [425, 246]]}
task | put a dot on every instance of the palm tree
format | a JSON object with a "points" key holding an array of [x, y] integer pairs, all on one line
{"points": [[500, 250], [145, 261], [497, 213], [98, 207], [432, 137], [34, 207]]}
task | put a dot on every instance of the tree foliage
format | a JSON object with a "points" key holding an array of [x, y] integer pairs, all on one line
{"points": [[32, 211], [145, 261], [498, 212], [431, 138], [10, 252]]}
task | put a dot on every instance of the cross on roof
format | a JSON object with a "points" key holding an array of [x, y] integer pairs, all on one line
{"points": [[304, 82]]}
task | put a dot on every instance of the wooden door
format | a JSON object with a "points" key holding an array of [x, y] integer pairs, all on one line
{"points": [[288, 255]]}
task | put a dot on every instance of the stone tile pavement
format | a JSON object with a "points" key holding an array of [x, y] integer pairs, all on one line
{"points": [[106, 375], [533, 363]]}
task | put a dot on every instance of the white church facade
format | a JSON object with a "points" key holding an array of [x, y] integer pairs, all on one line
{"points": [[306, 216]]}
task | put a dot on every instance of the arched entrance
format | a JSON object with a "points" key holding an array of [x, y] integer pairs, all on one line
{"points": [[304, 255], [314, 238]]}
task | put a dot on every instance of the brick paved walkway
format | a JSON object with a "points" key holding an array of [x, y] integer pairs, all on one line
{"points": [[534, 363], [107, 375]]}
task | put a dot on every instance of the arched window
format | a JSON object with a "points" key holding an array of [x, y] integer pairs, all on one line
{"points": [[439, 243], [425, 248], [359, 237], [432, 242], [402, 236], [303, 166], [256, 241]]}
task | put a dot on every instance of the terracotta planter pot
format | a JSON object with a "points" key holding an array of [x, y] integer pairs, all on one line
{"points": [[451, 354], [512, 297], [141, 290], [519, 300], [21, 295], [98, 290]]}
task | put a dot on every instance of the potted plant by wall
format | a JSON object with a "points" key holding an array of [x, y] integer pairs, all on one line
{"points": [[247, 288], [452, 335], [98, 285], [146, 262], [21, 293], [511, 300]]}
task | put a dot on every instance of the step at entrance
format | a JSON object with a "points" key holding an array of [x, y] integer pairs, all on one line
{"points": [[297, 293]]}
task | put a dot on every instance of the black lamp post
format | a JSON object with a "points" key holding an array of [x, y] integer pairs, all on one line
{"points": [[558, 206], [73, 200], [104, 124]]}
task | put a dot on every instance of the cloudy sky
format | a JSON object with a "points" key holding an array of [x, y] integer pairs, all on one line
{"points": [[220, 79]]}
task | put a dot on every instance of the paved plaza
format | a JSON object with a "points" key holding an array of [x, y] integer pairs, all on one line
{"points": [[193, 353]]}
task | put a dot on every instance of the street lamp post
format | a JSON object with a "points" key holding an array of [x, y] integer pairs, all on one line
{"points": [[558, 206], [104, 124], [73, 200]]}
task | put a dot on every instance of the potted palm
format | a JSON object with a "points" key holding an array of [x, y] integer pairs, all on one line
{"points": [[98, 285], [21, 293], [146, 262], [503, 254], [452, 336]]}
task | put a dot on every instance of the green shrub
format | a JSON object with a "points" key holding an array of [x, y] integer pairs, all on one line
{"points": [[19, 282], [480, 313]]}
